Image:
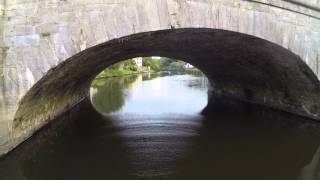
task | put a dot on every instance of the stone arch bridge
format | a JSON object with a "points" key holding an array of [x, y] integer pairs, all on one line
{"points": [[258, 51]]}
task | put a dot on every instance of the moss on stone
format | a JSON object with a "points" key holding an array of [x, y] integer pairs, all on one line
{"points": [[45, 34]]}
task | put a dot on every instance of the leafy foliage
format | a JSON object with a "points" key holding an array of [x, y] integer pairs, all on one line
{"points": [[152, 63], [168, 64], [121, 68], [149, 64]]}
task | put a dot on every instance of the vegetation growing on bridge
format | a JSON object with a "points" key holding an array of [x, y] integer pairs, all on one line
{"points": [[45, 34]]}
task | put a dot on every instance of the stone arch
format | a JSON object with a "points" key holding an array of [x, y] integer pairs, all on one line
{"points": [[240, 67]]}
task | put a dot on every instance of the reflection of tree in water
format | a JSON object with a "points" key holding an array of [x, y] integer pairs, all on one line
{"points": [[199, 83], [109, 96], [150, 76]]}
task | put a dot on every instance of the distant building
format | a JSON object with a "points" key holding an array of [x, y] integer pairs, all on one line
{"points": [[156, 57], [188, 66], [138, 61]]}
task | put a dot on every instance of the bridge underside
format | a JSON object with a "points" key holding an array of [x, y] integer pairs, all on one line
{"points": [[239, 67]]}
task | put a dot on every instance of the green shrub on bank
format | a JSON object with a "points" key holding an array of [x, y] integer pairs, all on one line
{"points": [[114, 72]]}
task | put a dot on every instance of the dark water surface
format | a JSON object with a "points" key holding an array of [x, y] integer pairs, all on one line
{"points": [[150, 127]]}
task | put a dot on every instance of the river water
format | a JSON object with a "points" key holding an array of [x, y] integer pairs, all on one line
{"points": [[151, 127]]}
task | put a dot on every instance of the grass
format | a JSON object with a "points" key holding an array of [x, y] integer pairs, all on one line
{"points": [[115, 72]]}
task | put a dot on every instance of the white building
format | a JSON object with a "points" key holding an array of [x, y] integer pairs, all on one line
{"points": [[138, 61], [188, 66]]}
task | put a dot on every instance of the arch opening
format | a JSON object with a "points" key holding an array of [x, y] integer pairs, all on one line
{"points": [[240, 67], [150, 86]]}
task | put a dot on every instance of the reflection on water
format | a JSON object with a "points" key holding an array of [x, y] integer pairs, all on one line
{"points": [[146, 94], [167, 142], [107, 95], [312, 170]]}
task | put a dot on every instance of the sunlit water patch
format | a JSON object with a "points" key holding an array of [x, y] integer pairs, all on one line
{"points": [[158, 117], [143, 94]]}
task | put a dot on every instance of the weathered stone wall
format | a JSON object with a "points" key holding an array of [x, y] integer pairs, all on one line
{"points": [[3, 120], [2, 50], [39, 35]]}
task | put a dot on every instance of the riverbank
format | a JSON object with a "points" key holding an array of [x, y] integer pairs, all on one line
{"points": [[117, 73]]}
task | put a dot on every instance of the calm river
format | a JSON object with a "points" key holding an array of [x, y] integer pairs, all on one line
{"points": [[150, 127]]}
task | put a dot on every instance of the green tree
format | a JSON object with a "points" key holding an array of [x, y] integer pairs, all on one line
{"points": [[129, 65], [172, 64], [152, 63], [120, 68]]}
